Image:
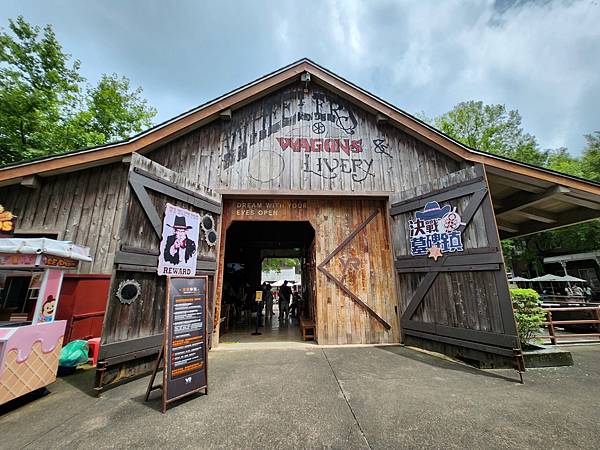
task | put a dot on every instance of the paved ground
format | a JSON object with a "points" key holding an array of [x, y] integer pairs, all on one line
{"points": [[313, 397]]}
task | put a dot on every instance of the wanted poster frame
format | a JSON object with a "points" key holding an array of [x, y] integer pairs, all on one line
{"points": [[178, 383]]}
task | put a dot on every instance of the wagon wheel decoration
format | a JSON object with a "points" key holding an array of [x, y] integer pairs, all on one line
{"points": [[318, 128], [207, 223], [128, 291]]}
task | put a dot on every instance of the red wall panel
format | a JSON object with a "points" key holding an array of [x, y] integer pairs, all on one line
{"points": [[82, 304]]}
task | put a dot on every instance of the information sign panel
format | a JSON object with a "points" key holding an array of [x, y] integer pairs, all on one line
{"points": [[185, 351]]}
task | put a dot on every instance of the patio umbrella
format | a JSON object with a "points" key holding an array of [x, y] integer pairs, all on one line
{"points": [[548, 278], [518, 279], [570, 279]]}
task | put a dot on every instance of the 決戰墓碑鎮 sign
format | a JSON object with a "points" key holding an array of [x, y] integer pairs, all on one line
{"points": [[435, 231]]}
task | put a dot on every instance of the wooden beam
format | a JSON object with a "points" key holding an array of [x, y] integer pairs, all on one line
{"points": [[497, 179], [225, 114], [507, 226], [518, 201], [567, 218], [579, 202], [31, 182], [537, 214], [382, 118]]}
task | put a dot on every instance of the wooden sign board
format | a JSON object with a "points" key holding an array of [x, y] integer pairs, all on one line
{"points": [[184, 353]]}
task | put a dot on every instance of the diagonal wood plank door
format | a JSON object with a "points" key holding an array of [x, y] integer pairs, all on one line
{"points": [[458, 299]]}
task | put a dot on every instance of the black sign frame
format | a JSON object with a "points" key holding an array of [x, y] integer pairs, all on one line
{"points": [[192, 380]]}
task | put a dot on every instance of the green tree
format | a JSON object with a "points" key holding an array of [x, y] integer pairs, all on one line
{"points": [[275, 264], [45, 105], [562, 161], [591, 157], [491, 128], [494, 129]]}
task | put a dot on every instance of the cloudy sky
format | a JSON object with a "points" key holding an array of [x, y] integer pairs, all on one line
{"points": [[540, 57]]}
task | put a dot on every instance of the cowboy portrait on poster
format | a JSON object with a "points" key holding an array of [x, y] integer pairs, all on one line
{"points": [[178, 247]]}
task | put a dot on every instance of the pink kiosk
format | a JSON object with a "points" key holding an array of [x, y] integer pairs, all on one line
{"points": [[30, 349]]}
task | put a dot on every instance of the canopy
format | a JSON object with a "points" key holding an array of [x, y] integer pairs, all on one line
{"points": [[571, 279], [548, 277], [38, 246], [565, 279], [517, 279]]}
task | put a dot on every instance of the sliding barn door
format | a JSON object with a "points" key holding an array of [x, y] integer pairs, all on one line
{"points": [[453, 293], [133, 325]]}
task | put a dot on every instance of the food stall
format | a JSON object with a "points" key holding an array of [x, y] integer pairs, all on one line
{"points": [[30, 338]]}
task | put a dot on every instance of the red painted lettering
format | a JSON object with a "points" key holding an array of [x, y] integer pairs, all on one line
{"points": [[316, 145], [357, 146], [344, 145], [284, 143]]}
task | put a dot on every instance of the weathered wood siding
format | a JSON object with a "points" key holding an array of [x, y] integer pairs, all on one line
{"points": [[364, 264], [459, 300], [309, 140], [297, 140], [139, 240], [83, 207]]}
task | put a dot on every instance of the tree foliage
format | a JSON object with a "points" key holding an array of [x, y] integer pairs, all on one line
{"points": [[491, 128], [529, 315], [497, 130], [46, 106], [276, 264]]}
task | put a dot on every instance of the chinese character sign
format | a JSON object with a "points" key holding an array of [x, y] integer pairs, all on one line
{"points": [[178, 248], [434, 231]]}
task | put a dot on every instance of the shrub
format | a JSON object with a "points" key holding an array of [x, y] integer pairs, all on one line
{"points": [[528, 313]]}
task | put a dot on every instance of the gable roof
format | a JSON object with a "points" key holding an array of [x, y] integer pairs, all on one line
{"points": [[203, 114]]}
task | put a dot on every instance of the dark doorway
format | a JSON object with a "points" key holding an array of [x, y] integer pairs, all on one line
{"points": [[247, 245]]}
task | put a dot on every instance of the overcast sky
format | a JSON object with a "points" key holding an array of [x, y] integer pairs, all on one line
{"points": [[540, 57]]}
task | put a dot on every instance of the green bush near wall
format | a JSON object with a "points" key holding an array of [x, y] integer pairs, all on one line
{"points": [[528, 313]]}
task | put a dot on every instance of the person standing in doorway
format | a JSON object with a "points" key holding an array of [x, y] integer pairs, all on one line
{"points": [[284, 300], [267, 296]]}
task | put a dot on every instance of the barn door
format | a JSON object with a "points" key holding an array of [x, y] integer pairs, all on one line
{"points": [[133, 325], [453, 292]]}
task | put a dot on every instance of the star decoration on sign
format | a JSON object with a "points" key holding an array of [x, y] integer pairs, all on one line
{"points": [[434, 252]]}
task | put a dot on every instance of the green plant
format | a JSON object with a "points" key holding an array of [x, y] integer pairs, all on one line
{"points": [[528, 313]]}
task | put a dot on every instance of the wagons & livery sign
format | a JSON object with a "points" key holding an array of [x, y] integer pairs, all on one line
{"points": [[435, 231], [179, 244]]}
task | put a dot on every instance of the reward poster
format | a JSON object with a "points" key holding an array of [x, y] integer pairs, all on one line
{"points": [[179, 244]]}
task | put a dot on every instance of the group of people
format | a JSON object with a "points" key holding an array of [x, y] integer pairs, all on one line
{"points": [[240, 296], [290, 300], [579, 291]]}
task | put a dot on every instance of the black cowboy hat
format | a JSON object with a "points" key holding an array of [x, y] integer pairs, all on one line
{"points": [[179, 224], [432, 210]]}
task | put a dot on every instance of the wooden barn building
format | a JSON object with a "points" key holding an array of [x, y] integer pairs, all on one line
{"points": [[398, 226]]}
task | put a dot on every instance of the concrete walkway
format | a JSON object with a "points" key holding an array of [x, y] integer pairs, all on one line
{"points": [[313, 397]]}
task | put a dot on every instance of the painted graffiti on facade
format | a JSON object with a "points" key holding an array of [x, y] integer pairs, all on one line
{"points": [[320, 128], [346, 146], [285, 111], [330, 168], [435, 231], [381, 147]]}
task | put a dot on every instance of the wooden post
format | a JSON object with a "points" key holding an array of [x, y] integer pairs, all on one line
{"points": [[156, 367], [551, 328]]}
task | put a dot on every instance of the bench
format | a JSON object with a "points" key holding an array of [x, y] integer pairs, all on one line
{"points": [[307, 327]]}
